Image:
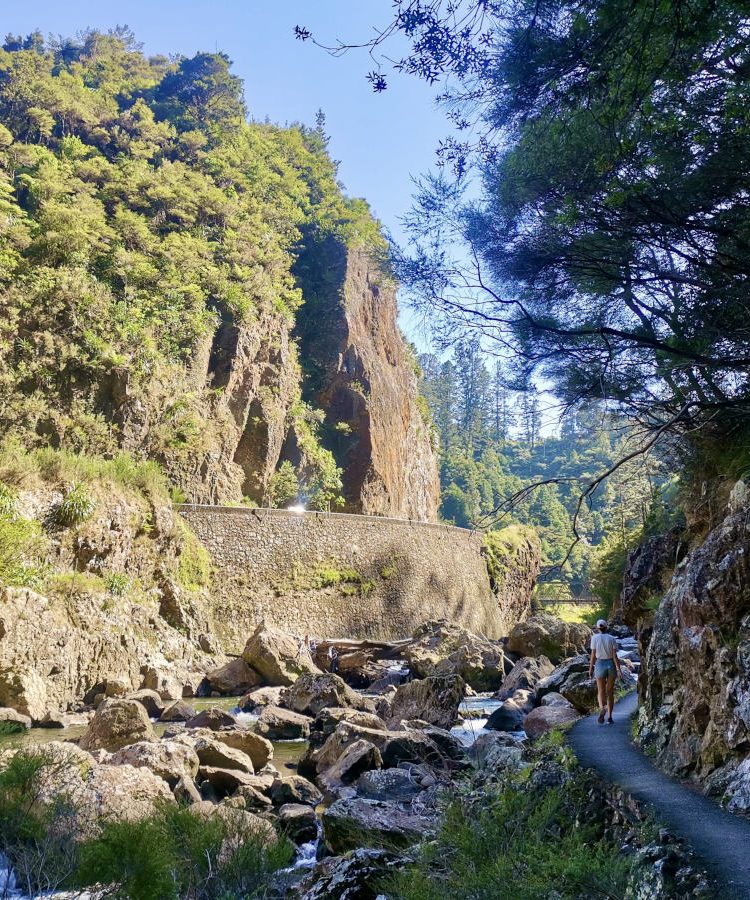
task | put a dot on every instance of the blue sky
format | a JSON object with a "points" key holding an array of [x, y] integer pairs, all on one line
{"points": [[381, 140]]}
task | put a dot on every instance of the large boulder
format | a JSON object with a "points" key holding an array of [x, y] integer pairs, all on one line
{"points": [[443, 647], [116, 724], [258, 748], [279, 724], [163, 681], [359, 757], [298, 822], [350, 824], [178, 711], [576, 665], [543, 634], [98, 792], [390, 785], [223, 782], [507, 717], [294, 789], [495, 752], [434, 747], [312, 693], [327, 720], [124, 793], [525, 675], [571, 681], [212, 752], [260, 697], [213, 718], [546, 718], [150, 700], [581, 691], [233, 678], [434, 699], [277, 656], [169, 760], [356, 876]]}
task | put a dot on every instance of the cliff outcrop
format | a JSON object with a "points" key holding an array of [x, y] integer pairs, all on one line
{"points": [[695, 685], [108, 588], [239, 401], [361, 373]]}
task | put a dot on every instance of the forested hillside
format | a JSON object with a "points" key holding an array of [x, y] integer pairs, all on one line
{"points": [[156, 252], [499, 465]]}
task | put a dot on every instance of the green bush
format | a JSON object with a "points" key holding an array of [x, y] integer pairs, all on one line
{"points": [[35, 837], [283, 485], [8, 500], [177, 853], [174, 853], [76, 506], [327, 576], [22, 550], [117, 584], [514, 842], [194, 570]]}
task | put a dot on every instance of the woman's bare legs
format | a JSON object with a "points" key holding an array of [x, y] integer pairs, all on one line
{"points": [[610, 695], [601, 688]]}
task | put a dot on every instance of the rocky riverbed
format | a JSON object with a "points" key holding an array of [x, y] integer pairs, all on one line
{"points": [[337, 769]]}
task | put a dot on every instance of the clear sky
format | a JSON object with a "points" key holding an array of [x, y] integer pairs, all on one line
{"points": [[381, 140]]}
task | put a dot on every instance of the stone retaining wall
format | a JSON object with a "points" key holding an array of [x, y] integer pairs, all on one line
{"points": [[339, 575]]}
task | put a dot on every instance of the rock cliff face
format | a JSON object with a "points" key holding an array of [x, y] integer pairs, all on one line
{"points": [[360, 372], [121, 601], [237, 392], [695, 689], [245, 382]]}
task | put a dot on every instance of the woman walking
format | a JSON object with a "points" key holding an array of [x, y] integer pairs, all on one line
{"points": [[605, 666]]}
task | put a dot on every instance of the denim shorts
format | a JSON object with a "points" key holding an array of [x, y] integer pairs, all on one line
{"points": [[604, 668]]}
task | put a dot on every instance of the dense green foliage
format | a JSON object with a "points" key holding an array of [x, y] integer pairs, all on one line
{"points": [[495, 462], [516, 840], [138, 211], [171, 854]]}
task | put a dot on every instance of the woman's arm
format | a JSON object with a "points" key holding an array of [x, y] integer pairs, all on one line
{"points": [[592, 660]]}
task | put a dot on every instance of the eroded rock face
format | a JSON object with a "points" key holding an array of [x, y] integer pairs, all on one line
{"points": [[547, 635], [647, 574], [310, 694], [434, 700], [444, 648], [695, 696], [53, 652], [348, 824], [362, 376]]}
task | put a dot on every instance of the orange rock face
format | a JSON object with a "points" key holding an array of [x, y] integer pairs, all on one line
{"points": [[361, 373]]}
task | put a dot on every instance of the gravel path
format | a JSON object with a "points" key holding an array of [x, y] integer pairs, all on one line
{"points": [[719, 838]]}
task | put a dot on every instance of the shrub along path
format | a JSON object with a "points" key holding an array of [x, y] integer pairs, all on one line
{"points": [[719, 838]]}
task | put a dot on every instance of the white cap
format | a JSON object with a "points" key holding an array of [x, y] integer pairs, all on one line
{"points": [[601, 622]]}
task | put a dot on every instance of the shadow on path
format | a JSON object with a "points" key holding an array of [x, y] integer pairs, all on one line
{"points": [[719, 838]]}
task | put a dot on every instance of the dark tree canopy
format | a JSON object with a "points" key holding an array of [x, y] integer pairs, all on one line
{"points": [[608, 249]]}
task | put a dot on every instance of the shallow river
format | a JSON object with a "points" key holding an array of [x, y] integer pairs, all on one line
{"points": [[286, 754]]}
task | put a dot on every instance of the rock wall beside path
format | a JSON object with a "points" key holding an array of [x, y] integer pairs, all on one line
{"points": [[695, 688], [354, 576]]}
